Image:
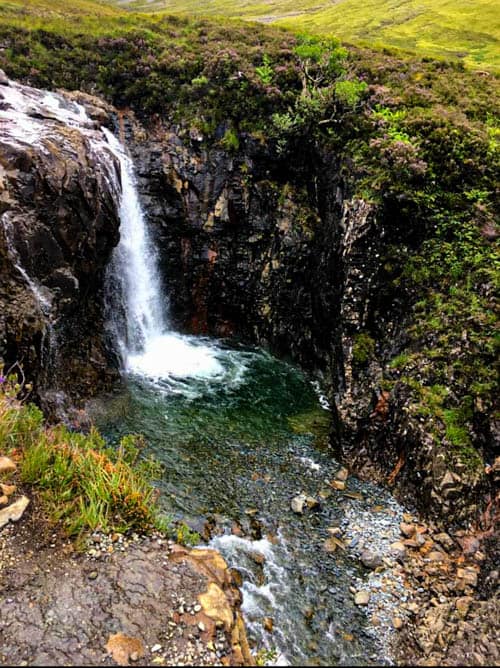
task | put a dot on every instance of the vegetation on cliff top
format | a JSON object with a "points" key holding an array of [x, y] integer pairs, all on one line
{"points": [[448, 28]]}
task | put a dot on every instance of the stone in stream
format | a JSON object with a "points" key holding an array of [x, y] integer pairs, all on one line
{"points": [[301, 500], [258, 558], [342, 474], [331, 544], [268, 624], [362, 597]]}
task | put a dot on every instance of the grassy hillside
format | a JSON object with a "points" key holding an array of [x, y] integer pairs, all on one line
{"points": [[464, 29]]}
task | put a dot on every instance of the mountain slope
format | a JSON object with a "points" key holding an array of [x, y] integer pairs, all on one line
{"points": [[464, 29]]}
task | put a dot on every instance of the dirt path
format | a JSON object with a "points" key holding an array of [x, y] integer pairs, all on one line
{"points": [[147, 601]]}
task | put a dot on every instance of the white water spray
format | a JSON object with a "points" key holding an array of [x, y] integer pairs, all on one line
{"points": [[149, 347]]}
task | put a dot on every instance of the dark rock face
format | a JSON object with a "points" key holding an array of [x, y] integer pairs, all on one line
{"points": [[241, 239], [58, 226]]}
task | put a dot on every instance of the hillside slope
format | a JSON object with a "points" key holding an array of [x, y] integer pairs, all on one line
{"points": [[460, 29]]}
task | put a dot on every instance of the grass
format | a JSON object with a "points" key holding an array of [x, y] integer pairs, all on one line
{"points": [[82, 483], [458, 29]]}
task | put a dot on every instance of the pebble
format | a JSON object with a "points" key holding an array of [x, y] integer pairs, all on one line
{"points": [[155, 648], [362, 597]]}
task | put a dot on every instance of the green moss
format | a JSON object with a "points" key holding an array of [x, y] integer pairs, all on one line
{"points": [[400, 361], [363, 349], [230, 141]]}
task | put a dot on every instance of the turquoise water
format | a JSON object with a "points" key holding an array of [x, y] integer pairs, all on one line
{"points": [[237, 445]]}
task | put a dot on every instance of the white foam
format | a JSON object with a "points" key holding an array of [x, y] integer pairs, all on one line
{"points": [[169, 355]]}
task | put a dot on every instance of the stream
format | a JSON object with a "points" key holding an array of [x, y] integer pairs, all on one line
{"points": [[239, 438]]}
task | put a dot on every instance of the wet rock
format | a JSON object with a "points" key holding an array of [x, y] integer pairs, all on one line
{"points": [[362, 597], [342, 474], [268, 624], [338, 484], [298, 503], [258, 558], [331, 544]]}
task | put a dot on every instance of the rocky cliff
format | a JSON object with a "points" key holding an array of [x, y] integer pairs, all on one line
{"points": [[58, 226], [270, 247]]}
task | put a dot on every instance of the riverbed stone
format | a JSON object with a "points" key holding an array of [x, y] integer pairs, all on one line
{"points": [[362, 597], [298, 503], [268, 624], [371, 560], [342, 474], [407, 529], [398, 550]]}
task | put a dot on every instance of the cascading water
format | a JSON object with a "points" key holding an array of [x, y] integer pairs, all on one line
{"points": [[149, 348]]}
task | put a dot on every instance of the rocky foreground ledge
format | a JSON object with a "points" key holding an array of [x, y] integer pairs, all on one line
{"points": [[141, 600]]}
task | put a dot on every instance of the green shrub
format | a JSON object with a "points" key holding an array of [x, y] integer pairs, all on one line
{"points": [[363, 349]]}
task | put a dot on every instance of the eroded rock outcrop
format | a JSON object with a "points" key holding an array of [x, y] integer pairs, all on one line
{"points": [[58, 226]]}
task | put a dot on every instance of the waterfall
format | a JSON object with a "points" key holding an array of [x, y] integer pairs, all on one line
{"points": [[135, 258], [137, 299], [139, 303]]}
